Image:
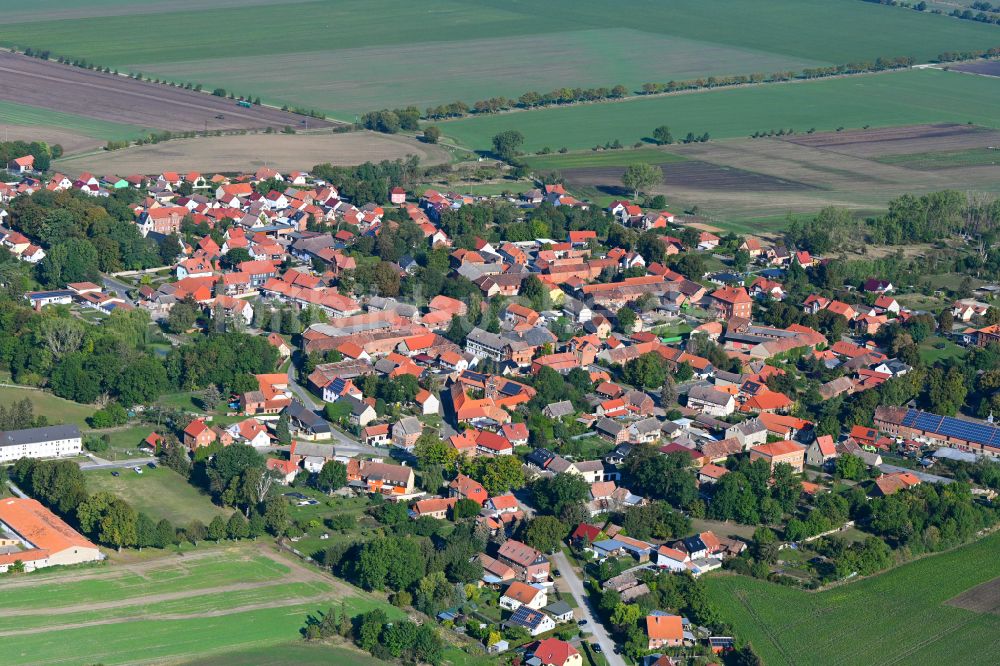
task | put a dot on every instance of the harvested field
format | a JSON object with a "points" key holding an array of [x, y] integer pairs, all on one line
{"points": [[983, 598], [687, 174], [750, 179], [118, 99], [984, 68], [72, 142], [901, 140], [247, 152]]}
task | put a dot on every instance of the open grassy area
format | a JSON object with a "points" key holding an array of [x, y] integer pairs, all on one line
{"points": [[390, 52], [55, 409], [897, 98], [160, 492], [12, 113], [936, 348], [897, 617], [172, 609]]}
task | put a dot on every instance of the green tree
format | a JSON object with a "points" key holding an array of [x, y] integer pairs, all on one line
{"points": [[553, 494], [166, 534], [110, 519], [281, 431], [545, 533], [236, 526], [332, 476], [431, 134], [465, 508], [217, 529], [506, 144], [626, 319], [276, 515], [662, 135], [640, 176], [501, 474]]}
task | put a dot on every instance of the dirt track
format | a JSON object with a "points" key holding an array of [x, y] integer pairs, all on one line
{"points": [[120, 99]]}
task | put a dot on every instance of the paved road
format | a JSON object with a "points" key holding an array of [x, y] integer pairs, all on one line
{"points": [[112, 284], [572, 579], [100, 463], [302, 394]]}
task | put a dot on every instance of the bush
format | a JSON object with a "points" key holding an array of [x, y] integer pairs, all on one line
{"points": [[109, 417]]}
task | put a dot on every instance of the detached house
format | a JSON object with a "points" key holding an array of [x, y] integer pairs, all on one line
{"points": [[528, 564], [521, 594]]}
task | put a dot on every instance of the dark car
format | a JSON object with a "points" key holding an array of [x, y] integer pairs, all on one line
{"points": [[582, 621], [115, 474], [555, 573], [151, 465], [596, 647]]}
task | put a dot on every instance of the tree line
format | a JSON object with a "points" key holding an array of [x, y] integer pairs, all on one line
{"points": [[399, 640]]}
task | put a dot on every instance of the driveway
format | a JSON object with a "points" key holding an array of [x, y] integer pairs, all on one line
{"points": [[101, 463], [572, 579]]}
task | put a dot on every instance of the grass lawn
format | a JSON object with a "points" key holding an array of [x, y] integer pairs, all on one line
{"points": [[55, 409], [184, 400], [930, 352], [160, 492], [599, 158], [897, 617], [124, 442], [899, 98]]}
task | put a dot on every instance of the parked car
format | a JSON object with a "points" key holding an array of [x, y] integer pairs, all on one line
{"points": [[115, 474], [138, 470], [596, 647], [151, 465], [582, 621]]}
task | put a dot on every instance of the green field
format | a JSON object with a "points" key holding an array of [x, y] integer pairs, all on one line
{"points": [[897, 617], [22, 114], [160, 492], [300, 654], [945, 159], [898, 98], [356, 55], [55, 409], [170, 610], [599, 158]]}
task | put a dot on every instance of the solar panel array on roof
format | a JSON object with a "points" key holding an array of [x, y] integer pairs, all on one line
{"points": [[947, 426]]}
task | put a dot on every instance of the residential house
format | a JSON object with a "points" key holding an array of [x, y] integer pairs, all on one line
{"points": [[197, 434], [379, 477], [784, 451], [820, 451], [362, 413], [534, 621], [710, 400], [664, 631], [464, 487], [406, 432], [528, 564], [554, 652], [521, 594]]}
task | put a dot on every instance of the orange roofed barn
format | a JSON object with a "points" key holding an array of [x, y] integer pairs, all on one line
{"points": [[46, 540]]}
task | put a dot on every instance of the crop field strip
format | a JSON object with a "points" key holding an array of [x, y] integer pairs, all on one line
{"points": [[206, 602], [359, 55], [878, 100], [908, 604]]}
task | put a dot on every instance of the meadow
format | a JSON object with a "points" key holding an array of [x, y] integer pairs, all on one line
{"points": [[160, 493], [357, 55], [897, 617], [898, 98], [55, 409], [173, 609]]}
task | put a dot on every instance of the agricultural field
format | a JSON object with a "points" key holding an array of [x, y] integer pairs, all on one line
{"points": [[878, 100], [74, 133], [753, 184], [119, 100], [203, 604], [247, 152], [160, 492], [907, 615], [300, 654], [356, 55]]}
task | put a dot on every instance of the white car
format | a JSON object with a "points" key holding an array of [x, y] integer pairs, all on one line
{"points": [[138, 470]]}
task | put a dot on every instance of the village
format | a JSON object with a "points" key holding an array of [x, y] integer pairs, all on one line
{"points": [[613, 407]]}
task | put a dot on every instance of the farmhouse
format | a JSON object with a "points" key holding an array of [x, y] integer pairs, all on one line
{"points": [[964, 434], [48, 442], [43, 539]]}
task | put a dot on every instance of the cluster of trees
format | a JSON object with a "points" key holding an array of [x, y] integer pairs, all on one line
{"points": [[988, 13], [370, 181], [392, 121], [533, 99], [83, 235], [420, 564], [661, 477], [228, 360], [955, 56], [400, 640], [20, 414], [43, 153], [860, 67], [746, 496]]}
